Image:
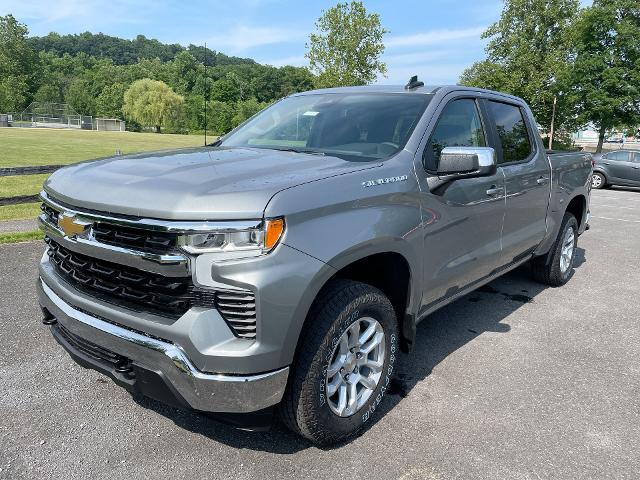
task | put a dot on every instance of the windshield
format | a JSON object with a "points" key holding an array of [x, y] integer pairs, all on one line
{"points": [[360, 126]]}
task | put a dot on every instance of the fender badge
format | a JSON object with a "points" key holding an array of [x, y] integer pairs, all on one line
{"points": [[382, 181]]}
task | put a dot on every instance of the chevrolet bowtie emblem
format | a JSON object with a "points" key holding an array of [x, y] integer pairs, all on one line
{"points": [[72, 225]]}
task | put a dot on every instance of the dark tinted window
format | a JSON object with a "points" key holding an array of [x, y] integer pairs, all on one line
{"points": [[512, 131], [618, 156], [459, 125]]}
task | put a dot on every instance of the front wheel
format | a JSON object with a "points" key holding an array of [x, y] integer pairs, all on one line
{"points": [[598, 180], [344, 363], [555, 267]]}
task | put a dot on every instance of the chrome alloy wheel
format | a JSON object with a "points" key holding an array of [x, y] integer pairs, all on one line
{"points": [[566, 254], [596, 180], [356, 366]]}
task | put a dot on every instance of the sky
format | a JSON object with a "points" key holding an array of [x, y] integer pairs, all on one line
{"points": [[434, 39]]}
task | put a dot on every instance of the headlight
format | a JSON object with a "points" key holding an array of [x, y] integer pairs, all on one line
{"points": [[235, 243]]}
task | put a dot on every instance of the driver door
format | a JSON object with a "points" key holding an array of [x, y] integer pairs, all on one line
{"points": [[462, 219]]}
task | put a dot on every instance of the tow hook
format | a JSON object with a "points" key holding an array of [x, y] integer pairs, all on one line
{"points": [[47, 317]]}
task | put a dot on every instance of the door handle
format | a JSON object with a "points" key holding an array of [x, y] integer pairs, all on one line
{"points": [[606, 163], [541, 181], [494, 191], [636, 167]]}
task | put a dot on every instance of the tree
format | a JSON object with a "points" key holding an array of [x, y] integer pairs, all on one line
{"points": [[245, 110], [347, 46], [18, 65], [110, 101], [604, 80], [80, 97], [528, 51], [152, 103]]}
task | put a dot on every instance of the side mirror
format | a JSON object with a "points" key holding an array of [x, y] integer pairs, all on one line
{"points": [[466, 162]]}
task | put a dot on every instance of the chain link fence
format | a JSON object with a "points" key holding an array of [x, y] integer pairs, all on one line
{"points": [[58, 115]]}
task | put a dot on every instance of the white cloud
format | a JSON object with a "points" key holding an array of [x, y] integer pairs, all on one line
{"points": [[434, 37]]}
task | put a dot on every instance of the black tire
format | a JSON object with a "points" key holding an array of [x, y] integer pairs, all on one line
{"points": [[602, 183], [305, 406], [546, 268]]}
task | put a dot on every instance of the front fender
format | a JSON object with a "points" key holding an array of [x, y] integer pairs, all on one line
{"points": [[339, 220]]}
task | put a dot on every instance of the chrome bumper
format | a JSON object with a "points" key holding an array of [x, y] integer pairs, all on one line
{"points": [[202, 391]]}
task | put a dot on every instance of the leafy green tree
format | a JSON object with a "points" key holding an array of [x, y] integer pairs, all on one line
{"points": [[219, 117], [18, 65], [80, 96], [346, 48], [604, 80], [245, 110], [110, 101], [528, 49], [225, 90], [152, 103], [48, 93]]}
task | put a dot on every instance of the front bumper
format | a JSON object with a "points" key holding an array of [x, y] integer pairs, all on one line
{"points": [[156, 367]]}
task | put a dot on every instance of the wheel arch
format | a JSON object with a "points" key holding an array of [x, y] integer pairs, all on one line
{"points": [[389, 270]]}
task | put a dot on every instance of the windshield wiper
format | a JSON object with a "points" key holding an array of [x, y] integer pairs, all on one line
{"points": [[298, 150]]}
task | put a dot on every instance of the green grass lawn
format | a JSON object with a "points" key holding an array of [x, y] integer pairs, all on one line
{"points": [[20, 237], [21, 211], [44, 146], [21, 185]]}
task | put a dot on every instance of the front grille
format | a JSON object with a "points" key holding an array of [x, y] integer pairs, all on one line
{"points": [[149, 292], [125, 237], [135, 238], [52, 214], [91, 349], [126, 286]]}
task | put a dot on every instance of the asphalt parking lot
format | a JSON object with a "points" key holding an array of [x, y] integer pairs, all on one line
{"points": [[512, 381]]}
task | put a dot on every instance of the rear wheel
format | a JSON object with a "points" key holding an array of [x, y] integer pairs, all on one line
{"points": [[556, 266], [344, 363], [598, 180]]}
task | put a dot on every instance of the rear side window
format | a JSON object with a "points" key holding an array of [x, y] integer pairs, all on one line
{"points": [[618, 156], [636, 157], [512, 130], [459, 125]]}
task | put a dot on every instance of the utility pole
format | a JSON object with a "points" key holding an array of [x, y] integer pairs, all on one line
{"points": [[553, 119], [205, 94]]}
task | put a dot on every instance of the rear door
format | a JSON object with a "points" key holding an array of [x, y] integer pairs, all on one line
{"points": [[462, 219], [635, 167], [619, 165], [527, 176]]}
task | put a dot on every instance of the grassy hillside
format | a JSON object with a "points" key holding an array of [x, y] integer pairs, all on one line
{"points": [[35, 146]]}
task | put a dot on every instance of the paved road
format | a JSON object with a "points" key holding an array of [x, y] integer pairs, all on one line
{"points": [[513, 381], [18, 225]]}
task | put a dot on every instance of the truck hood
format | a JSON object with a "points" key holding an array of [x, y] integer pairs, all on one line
{"points": [[192, 184]]}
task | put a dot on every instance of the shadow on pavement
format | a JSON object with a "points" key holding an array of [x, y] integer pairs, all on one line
{"points": [[438, 336]]}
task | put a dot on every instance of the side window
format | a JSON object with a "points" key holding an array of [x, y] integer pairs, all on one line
{"points": [[618, 156], [512, 131], [459, 125], [636, 157]]}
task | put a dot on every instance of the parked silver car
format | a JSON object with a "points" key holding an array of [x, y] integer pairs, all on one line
{"points": [[620, 167]]}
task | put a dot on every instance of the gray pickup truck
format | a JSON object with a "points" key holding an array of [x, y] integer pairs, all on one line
{"points": [[283, 268]]}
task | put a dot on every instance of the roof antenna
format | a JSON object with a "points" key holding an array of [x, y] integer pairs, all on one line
{"points": [[205, 94], [413, 83]]}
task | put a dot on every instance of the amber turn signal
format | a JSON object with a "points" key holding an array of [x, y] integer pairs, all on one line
{"points": [[274, 230]]}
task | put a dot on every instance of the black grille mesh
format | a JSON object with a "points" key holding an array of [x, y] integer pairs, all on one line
{"points": [[149, 292], [134, 238], [123, 285]]}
